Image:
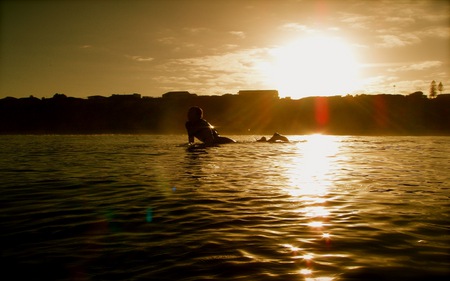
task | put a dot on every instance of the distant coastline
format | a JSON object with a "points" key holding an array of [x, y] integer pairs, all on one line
{"points": [[248, 112]]}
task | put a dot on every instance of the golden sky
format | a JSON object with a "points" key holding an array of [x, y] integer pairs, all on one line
{"points": [[213, 47]]}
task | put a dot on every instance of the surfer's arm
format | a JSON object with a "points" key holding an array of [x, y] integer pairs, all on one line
{"points": [[190, 132]]}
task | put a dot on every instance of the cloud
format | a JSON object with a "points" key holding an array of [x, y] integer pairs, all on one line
{"points": [[357, 21], [391, 41], [417, 66], [227, 62], [213, 73], [393, 37], [297, 27], [400, 23], [195, 30], [400, 20], [172, 80], [140, 59], [436, 31], [167, 40], [239, 34], [440, 14], [230, 46], [378, 84]]}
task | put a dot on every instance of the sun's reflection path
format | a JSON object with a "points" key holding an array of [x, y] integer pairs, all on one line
{"points": [[310, 173]]}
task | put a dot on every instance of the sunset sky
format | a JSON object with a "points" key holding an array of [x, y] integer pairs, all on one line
{"points": [[213, 47]]}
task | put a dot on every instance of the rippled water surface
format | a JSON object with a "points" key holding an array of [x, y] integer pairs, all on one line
{"points": [[118, 207]]}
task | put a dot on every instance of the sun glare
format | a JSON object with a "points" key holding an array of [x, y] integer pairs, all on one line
{"points": [[312, 66]]}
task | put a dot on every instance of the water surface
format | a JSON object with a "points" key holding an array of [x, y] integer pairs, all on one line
{"points": [[127, 207]]}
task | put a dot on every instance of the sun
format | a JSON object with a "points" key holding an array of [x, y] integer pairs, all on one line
{"points": [[312, 66]]}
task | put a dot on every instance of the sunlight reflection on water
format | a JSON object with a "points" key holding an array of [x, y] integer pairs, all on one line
{"points": [[309, 170], [310, 175]]}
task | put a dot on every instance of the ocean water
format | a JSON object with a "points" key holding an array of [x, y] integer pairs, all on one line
{"points": [[143, 207]]}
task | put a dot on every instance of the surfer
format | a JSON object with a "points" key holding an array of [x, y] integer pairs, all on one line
{"points": [[199, 128], [275, 138]]}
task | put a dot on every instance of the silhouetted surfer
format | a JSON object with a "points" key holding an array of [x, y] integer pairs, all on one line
{"points": [[199, 128]]}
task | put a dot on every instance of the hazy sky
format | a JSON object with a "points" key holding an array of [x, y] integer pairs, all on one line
{"points": [[212, 47]]}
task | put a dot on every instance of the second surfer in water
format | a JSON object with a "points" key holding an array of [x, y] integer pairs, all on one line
{"points": [[275, 138]]}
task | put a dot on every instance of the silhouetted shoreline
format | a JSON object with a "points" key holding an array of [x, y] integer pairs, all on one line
{"points": [[248, 112]]}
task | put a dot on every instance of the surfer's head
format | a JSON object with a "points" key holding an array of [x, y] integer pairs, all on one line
{"points": [[195, 113]]}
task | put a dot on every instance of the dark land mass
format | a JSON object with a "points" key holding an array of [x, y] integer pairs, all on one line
{"points": [[248, 112]]}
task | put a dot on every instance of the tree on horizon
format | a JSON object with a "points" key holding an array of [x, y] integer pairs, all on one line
{"points": [[432, 90], [440, 88]]}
